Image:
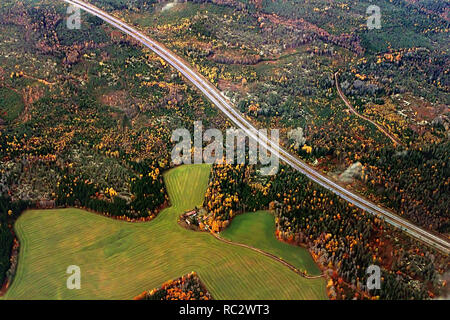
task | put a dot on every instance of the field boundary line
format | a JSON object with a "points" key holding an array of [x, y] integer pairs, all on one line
{"points": [[267, 254], [395, 140]]}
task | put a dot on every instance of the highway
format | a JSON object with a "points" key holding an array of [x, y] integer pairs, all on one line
{"points": [[216, 97]]}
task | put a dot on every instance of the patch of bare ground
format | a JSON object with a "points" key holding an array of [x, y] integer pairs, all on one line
{"points": [[348, 41], [120, 99], [30, 95]]}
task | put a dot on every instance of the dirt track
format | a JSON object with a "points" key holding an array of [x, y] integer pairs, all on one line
{"points": [[352, 110]]}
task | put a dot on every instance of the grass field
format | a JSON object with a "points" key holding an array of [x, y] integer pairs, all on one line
{"points": [[119, 260], [257, 229]]}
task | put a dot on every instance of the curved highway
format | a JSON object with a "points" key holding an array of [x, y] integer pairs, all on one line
{"points": [[214, 95]]}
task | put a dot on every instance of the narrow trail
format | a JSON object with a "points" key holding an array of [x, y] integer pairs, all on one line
{"points": [[352, 110], [287, 264]]}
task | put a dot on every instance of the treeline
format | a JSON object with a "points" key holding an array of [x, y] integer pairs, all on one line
{"points": [[188, 287], [148, 193], [9, 211]]}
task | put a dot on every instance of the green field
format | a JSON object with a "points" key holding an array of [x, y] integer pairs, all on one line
{"points": [[257, 229], [119, 260]]}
